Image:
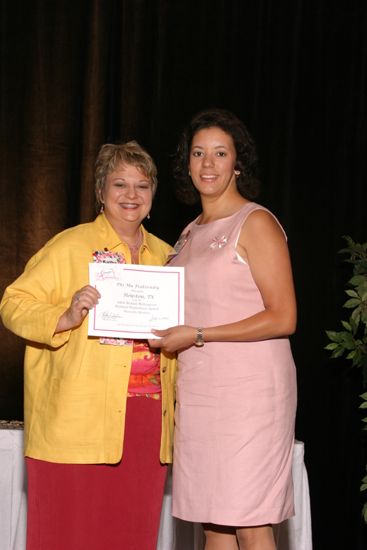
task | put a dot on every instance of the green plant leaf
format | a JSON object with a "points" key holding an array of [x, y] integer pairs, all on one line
{"points": [[353, 324], [352, 302], [352, 293], [332, 346], [356, 316], [353, 339], [357, 280], [333, 335], [337, 353], [364, 512]]}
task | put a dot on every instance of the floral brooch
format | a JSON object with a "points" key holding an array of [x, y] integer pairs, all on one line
{"points": [[218, 242], [108, 257]]}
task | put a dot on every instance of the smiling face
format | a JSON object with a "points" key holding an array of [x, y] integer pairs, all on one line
{"points": [[212, 162], [127, 196]]}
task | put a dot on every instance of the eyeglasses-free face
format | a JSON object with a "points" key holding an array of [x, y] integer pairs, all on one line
{"points": [[212, 161], [127, 195]]}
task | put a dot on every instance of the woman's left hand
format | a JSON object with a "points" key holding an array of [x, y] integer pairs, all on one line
{"points": [[174, 338]]}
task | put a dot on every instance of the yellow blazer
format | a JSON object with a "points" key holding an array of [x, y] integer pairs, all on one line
{"points": [[76, 388]]}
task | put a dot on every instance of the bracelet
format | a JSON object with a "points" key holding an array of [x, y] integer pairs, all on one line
{"points": [[199, 340]]}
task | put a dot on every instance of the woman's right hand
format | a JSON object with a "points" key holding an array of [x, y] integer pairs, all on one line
{"points": [[174, 338], [82, 301]]}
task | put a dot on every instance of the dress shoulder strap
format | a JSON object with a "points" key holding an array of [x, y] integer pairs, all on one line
{"points": [[248, 209]]}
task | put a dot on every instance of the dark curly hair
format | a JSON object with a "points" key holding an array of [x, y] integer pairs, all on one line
{"points": [[248, 183]]}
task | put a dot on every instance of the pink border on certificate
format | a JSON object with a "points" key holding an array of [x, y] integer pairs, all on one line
{"points": [[133, 268]]}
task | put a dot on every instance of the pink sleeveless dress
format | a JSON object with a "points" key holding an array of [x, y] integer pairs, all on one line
{"points": [[236, 401]]}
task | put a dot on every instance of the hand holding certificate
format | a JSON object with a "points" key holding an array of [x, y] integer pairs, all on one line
{"points": [[135, 299]]}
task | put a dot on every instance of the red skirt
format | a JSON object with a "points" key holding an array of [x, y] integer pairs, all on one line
{"points": [[99, 506]]}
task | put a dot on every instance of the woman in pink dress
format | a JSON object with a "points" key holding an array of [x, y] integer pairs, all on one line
{"points": [[236, 387]]}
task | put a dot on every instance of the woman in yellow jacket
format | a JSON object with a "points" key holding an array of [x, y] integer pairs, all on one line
{"points": [[98, 412]]}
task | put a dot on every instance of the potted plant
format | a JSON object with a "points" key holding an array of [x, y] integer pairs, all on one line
{"points": [[351, 342]]}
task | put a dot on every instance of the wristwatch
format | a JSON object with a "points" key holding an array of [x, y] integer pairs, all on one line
{"points": [[199, 340]]}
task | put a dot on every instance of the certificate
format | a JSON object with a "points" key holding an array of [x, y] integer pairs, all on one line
{"points": [[135, 299]]}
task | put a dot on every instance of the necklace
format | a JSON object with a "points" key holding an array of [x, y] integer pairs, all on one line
{"points": [[134, 247]]}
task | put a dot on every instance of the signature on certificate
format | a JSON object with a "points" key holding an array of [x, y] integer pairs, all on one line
{"points": [[109, 316], [154, 318]]}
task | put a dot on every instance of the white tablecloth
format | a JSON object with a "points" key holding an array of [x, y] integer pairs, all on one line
{"points": [[13, 499], [293, 534]]}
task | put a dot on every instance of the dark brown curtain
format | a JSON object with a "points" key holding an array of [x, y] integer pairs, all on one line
{"points": [[77, 74]]}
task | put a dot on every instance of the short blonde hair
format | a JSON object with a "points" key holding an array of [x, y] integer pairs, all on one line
{"points": [[111, 155]]}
